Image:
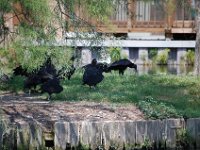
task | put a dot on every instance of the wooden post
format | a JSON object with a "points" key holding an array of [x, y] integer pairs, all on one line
{"points": [[131, 14]]}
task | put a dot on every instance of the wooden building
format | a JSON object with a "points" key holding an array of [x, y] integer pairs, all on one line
{"points": [[171, 18]]}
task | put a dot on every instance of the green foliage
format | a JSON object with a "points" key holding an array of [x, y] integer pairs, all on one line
{"points": [[157, 110], [183, 138], [37, 11], [190, 57], [7, 60], [163, 56], [147, 144], [32, 57], [15, 84], [99, 10], [153, 53], [39, 20], [35, 20], [115, 53], [29, 34], [5, 6]]}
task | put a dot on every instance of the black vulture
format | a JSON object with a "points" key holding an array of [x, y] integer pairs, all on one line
{"points": [[44, 74], [121, 65], [93, 63], [20, 71], [93, 74], [31, 82], [47, 71], [51, 86], [103, 67], [35, 79]]}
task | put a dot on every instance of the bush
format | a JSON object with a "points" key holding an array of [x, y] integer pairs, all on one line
{"points": [[190, 57], [162, 58], [157, 110], [115, 53], [153, 53]]}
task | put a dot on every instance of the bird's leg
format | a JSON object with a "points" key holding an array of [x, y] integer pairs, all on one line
{"points": [[121, 72]]}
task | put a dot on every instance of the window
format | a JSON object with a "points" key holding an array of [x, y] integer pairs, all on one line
{"points": [[121, 11], [185, 10], [150, 10]]}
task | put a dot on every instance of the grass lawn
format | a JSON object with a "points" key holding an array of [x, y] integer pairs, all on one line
{"points": [[158, 96]]}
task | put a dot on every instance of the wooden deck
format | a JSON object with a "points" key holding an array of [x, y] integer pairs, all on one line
{"points": [[179, 26]]}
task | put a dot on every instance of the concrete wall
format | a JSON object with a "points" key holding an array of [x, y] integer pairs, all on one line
{"points": [[181, 54], [125, 133], [118, 134], [86, 56], [142, 56]]}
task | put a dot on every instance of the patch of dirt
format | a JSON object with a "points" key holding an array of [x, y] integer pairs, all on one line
{"points": [[22, 107]]}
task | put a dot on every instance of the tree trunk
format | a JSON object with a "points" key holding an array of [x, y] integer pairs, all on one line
{"points": [[197, 46]]}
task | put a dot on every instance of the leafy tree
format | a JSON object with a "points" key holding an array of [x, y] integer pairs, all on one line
{"points": [[38, 24]]}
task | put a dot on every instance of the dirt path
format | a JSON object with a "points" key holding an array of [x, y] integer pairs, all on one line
{"points": [[26, 108]]}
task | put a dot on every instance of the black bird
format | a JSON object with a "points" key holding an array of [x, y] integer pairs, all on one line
{"points": [[93, 63], [93, 74], [103, 67], [45, 73], [20, 71], [121, 65], [51, 86], [31, 82]]}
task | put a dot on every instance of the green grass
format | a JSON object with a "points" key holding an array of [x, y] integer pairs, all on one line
{"points": [[158, 96]]}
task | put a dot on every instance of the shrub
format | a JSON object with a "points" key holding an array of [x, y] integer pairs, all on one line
{"points": [[190, 57], [184, 139], [162, 58], [157, 110], [115, 53], [153, 53]]}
